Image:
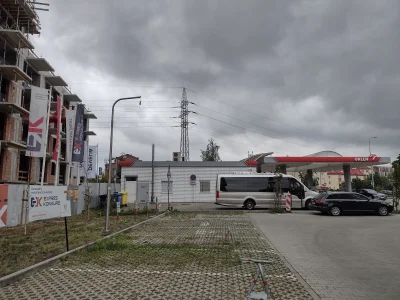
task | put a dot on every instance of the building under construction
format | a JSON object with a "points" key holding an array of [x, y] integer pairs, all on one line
{"points": [[20, 69]]}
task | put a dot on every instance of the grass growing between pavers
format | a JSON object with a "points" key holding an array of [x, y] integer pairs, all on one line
{"points": [[171, 256], [183, 255], [45, 239]]}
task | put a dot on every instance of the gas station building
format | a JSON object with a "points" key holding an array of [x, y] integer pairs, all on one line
{"points": [[323, 161]]}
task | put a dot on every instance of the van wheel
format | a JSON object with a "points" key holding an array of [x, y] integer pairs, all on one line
{"points": [[249, 204], [307, 206]]}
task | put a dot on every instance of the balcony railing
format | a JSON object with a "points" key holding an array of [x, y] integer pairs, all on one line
{"points": [[23, 175]]}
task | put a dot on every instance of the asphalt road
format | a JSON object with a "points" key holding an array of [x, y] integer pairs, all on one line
{"points": [[345, 257]]}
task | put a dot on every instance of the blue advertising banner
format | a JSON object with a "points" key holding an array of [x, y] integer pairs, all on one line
{"points": [[79, 135]]}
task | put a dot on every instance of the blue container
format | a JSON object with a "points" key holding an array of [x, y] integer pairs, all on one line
{"points": [[118, 197]]}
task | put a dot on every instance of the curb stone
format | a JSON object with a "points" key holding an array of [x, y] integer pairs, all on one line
{"points": [[16, 276]]}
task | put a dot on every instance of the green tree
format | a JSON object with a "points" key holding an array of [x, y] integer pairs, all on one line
{"points": [[396, 182], [303, 178], [358, 184], [211, 153]]}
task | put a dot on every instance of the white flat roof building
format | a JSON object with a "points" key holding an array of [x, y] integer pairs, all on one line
{"points": [[190, 181]]}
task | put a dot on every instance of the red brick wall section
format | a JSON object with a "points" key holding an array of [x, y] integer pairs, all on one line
{"points": [[12, 92], [32, 167], [6, 163], [20, 130]]}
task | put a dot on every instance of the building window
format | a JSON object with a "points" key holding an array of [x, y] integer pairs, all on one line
{"points": [[204, 186], [164, 187]]}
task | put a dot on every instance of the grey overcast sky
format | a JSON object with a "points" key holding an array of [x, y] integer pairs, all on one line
{"points": [[291, 77]]}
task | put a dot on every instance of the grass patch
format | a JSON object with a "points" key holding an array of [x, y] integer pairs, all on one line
{"points": [[171, 256], [277, 210], [46, 238]]}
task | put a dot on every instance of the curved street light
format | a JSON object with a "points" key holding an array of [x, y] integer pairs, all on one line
{"points": [[107, 225], [369, 143]]}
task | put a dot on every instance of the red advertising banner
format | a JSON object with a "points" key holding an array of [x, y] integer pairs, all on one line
{"points": [[58, 115], [3, 204]]}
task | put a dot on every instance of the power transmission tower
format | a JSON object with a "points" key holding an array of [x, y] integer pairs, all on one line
{"points": [[184, 127]]}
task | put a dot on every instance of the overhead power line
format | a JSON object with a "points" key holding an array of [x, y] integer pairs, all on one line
{"points": [[244, 128], [242, 109]]}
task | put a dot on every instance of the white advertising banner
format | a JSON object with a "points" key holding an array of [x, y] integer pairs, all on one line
{"points": [[70, 125], [37, 130], [46, 202], [92, 162]]}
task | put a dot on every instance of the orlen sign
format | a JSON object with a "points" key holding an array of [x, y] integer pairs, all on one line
{"points": [[371, 158]]}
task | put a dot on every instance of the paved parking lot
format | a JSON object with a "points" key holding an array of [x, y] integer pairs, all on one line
{"points": [[346, 257], [185, 255]]}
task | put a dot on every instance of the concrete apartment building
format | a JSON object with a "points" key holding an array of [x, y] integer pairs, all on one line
{"points": [[20, 69]]}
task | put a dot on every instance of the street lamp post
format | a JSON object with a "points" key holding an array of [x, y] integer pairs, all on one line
{"points": [[107, 225], [169, 177], [372, 174]]}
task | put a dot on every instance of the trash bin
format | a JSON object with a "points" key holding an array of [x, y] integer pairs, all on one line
{"points": [[118, 197], [124, 198], [103, 201]]}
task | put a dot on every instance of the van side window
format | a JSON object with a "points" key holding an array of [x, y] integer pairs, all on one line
{"points": [[233, 184], [256, 184], [285, 185]]}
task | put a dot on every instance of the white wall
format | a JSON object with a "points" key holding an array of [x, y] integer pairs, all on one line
{"points": [[183, 191]]}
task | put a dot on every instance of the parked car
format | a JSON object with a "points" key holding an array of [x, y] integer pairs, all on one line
{"points": [[336, 203], [387, 192], [372, 194]]}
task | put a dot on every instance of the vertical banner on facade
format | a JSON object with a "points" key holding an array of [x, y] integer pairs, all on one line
{"points": [[92, 162], [3, 204], [79, 136], [56, 150], [37, 131], [46, 202], [70, 125], [83, 166]]}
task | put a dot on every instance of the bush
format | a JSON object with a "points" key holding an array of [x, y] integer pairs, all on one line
{"points": [[277, 210], [129, 212]]}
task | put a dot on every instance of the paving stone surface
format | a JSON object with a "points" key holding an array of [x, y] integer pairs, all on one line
{"points": [[343, 258], [180, 256]]}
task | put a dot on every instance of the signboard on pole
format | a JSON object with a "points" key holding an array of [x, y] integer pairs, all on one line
{"points": [[70, 125], [37, 130], [83, 165], [58, 127], [92, 162], [100, 171], [79, 135], [192, 179], [46, 202]]}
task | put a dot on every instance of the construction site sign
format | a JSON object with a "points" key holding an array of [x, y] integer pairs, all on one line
{"points": [[47, 202]]}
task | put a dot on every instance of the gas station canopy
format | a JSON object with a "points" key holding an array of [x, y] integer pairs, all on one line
{"points": [[318, 162]]}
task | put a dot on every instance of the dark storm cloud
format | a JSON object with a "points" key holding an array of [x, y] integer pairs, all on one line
{"points": [[320, 72]]}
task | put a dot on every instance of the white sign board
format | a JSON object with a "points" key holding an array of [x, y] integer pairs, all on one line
{"points": [[46, 202]]}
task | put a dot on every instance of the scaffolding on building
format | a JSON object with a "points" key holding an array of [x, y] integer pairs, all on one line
{"points": [[18, 20]]}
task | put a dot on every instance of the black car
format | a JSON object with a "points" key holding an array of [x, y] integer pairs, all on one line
{"points": [[337, 203], [372, 194]]}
